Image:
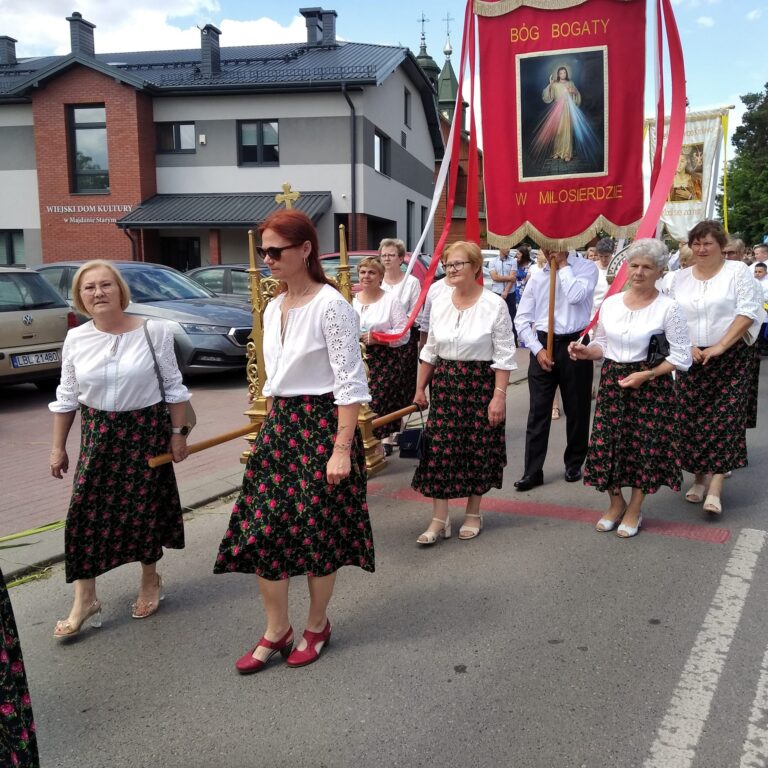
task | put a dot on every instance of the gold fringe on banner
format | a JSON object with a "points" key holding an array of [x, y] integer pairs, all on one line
{"points": [[600, 224], [692, 117], [482, 8]]}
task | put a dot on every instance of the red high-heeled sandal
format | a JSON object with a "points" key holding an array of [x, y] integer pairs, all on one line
{"points": [[247, 664], [311, 653]]}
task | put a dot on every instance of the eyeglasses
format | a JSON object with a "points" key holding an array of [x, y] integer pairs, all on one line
{"points": [[273, 251], [457, 266], [103, 287], [729, 253]]}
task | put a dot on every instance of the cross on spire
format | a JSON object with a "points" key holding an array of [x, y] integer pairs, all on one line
{"points": [[423, 20], [448, 19]]}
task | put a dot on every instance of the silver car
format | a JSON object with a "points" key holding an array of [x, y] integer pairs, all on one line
{"points": [[210, 331], [34, 320]]}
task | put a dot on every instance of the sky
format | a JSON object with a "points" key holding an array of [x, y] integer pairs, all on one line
{"points": [[725, 42]]}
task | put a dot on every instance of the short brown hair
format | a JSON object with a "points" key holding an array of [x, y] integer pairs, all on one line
{"points": [[708, 227], [125, 291], [374, 263], [472, 250]]}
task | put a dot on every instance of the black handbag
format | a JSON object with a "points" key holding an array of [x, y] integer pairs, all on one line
{"points": [[412, 441], [658, 349]]}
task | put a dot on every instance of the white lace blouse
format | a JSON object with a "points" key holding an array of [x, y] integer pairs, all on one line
{"points": [[407, 291], [623, 334], [712, 305], [115, 372], [320, 351], [482, 332], [386, 315]]}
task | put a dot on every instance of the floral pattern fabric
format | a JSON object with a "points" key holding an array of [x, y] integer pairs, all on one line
{"points": [[18, 743], [390, 390], [714, 402], [287, 520], [121, 511], [635, 433], [465, 455]]}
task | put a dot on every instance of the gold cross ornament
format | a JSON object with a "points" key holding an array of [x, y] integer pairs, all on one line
{"points": [[287, 196]]}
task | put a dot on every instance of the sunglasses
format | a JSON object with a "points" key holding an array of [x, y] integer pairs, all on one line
{"points": [[274, 252]]}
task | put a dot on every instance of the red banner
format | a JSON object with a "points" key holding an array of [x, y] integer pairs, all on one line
{"points": [[562, 104]]}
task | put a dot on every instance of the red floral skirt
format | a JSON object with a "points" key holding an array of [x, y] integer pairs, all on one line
{"points": [[390, 391], [465, 455], [287, 520], [634, 441]]}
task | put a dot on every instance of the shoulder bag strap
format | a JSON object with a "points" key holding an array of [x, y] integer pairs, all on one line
{"points": [[154, 360]]}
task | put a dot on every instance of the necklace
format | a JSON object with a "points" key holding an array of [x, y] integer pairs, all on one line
{"points": [[285, 309]]}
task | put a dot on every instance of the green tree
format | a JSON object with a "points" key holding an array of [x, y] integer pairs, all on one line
{"points": [[748, 171]]}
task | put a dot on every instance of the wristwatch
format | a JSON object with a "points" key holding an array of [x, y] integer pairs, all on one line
{"points": [[180, 430]]}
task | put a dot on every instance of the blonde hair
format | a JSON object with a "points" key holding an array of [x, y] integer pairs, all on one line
{"points": [[389, 242], [125, 291], [472, 251], [374, 263]]}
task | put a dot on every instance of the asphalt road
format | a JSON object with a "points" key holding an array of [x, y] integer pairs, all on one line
{"points": [[541, 644]]}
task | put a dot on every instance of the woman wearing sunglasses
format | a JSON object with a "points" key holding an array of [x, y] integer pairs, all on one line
{"points": [[302, 508], [466, 361]]}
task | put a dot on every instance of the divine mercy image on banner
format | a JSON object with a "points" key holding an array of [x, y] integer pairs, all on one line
{"points": [[562, 89], [562, 115]]}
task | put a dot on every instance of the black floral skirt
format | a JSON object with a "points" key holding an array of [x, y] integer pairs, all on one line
{"points": [[465, 455], [754, 387], [635, 433], [287, 520], [409, 367], [714, 404], [389, 391], [18, 743], [121, 511]]}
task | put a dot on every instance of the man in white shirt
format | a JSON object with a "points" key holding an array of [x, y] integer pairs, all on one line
{"points": [[576, 279], [503, 271], [761, 270]]}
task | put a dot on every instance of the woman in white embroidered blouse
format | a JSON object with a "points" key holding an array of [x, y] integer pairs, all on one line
{"points": [[724, 312], [466, 361], [302, 509], [407, 289], [634, 441], [380, 311], [121, 510]]}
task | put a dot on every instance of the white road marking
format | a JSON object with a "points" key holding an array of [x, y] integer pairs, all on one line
{"points": [[755, 750], [680, 730]]}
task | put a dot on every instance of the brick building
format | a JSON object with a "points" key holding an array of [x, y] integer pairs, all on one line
{"points": [[171, 156]]}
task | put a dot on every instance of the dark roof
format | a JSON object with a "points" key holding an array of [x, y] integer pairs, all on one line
{"points": [[223, 211], [254, 67]]}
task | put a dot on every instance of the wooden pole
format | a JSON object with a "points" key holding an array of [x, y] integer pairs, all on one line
{"points": [[388, 418], [165, 458], [552, 255]]}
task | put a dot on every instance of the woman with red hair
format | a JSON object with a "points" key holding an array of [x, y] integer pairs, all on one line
{"points": [[302, 508]]}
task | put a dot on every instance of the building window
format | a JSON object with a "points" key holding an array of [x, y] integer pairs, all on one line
{"points": [[11, 247], [90, 163], [381, 153], [424, 219], [407, 107], [258, 143], [175, 137], [410, 215]]}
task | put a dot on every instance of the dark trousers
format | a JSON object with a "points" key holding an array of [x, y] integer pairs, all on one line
{"points": [[575, 381], [512, 307]]}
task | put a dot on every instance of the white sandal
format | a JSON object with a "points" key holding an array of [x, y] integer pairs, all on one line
{"points": [[432, 537], [695, 494], [713, 504], [471, 530]]}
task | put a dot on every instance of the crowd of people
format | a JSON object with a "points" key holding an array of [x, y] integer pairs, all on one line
{"points": [[679, 369]]}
